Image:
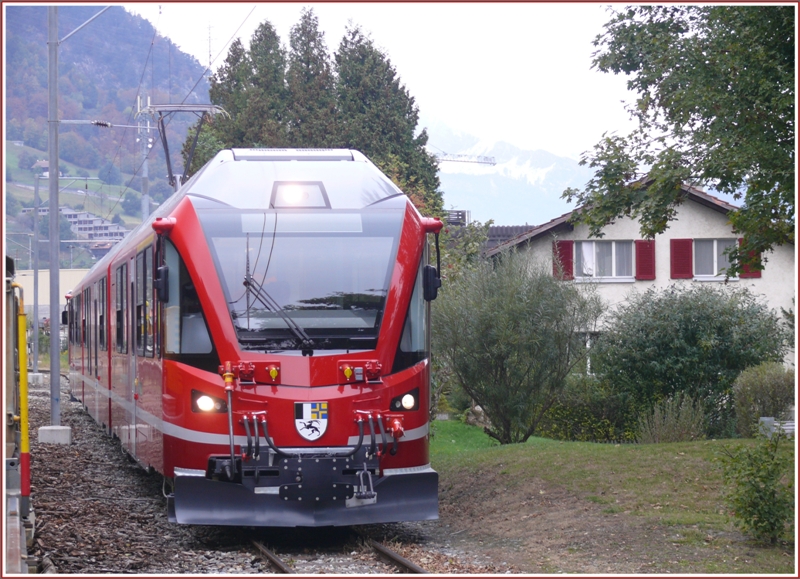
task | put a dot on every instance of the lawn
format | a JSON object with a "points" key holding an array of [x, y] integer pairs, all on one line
{"points": [[678, 486]]}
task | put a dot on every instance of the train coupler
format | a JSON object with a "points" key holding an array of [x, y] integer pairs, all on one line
{"points": [[362, 494]]}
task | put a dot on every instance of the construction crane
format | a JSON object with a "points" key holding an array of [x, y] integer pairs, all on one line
{"points": [[442, 156]]}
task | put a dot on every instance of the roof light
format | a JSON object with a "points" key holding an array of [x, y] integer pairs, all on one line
{"points": [[300, 194]]}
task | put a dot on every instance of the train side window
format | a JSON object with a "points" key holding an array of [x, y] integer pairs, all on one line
{"points": [[101, 325], [78, 310], [72, 320], [121, 305], [95, 332], [414, 345], [172, 308], [185, 330], [141, 266]]}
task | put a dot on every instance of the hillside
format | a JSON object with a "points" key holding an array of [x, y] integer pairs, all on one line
{"points": [[103, 68]]}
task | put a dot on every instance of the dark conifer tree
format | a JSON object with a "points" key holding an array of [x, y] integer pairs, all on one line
{"points": [[310, 83], [230, 89], [265, 114]]}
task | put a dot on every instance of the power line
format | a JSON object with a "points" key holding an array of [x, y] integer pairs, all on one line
{"points": [[218, 55]]}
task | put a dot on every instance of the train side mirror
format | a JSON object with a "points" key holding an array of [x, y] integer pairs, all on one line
{"points": [[162, 283], [431, 282], [64, 318]]}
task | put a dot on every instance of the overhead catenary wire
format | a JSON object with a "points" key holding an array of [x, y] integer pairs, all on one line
{"points": [[218, 55]]}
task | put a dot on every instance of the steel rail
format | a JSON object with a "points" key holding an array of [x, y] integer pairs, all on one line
{"points": [[272, 558], [396, 558]]}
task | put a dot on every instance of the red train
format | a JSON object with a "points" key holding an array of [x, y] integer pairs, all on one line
{"points": [[262, 340]]}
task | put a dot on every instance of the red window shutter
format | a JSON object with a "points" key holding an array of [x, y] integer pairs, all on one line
{"points": [[563, 253], [645, 258], [746, 271], [680, 259]]}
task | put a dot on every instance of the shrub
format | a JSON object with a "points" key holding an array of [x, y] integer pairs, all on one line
{"points": [[676, 419], [693, 339], [759, 492], [588, 410], [763, 390], [511, 334]]}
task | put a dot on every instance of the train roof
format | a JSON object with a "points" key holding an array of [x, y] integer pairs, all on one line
{"points": [[255, 178]]}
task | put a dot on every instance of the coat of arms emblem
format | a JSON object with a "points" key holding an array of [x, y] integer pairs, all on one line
{"points": [[311, 419]]}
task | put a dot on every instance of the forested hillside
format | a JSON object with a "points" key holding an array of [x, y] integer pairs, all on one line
{"points": [[103, 68]]}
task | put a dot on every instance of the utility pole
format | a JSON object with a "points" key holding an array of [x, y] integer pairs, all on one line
{"points": [[36, 275], [52, 117], [146, 143]]}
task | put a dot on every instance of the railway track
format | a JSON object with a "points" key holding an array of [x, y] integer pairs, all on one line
{"points": [[384, 552]]}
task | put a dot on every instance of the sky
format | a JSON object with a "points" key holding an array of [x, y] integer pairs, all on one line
{"points": [[519, 73]]}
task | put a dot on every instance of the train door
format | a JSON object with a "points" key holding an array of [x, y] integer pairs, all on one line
{"points": [[84, 345], [95, 348], [147, 395], [132, 383], [103, 368], [120, 363]]}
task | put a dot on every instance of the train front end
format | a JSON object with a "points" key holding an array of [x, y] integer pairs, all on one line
{"points": [[296, 343]]}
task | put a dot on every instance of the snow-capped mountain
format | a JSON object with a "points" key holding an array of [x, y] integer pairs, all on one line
{"points": [[522, 187]]}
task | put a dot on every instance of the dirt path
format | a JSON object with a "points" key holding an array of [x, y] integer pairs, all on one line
{"points": [[536, 528]]}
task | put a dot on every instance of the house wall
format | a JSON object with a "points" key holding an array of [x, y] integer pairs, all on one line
{"points": [[776, 286]]}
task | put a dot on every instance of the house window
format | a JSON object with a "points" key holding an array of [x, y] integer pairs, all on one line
{"points": [[709, 256], [610, 260]]}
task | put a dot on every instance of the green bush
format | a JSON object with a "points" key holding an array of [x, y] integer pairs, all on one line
{"points": [[676, 419], [759, 490], [512, 333], [693, 339], [588, 410], [763, 390]]}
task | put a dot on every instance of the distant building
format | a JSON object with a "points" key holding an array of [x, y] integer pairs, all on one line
{"points": [[87, 225]]}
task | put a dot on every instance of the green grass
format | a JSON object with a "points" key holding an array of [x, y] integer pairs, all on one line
{"points": [[106, 208], [677, 485]]}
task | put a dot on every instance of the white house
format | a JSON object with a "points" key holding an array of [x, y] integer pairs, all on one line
{"points": [[689, 251]]}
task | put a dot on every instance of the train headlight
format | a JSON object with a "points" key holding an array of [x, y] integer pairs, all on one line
{"points": [[407, 401], [202, 402], [205, 403]]}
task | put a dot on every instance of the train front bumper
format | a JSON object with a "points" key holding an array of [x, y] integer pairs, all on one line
{"points": [[316, 500]]}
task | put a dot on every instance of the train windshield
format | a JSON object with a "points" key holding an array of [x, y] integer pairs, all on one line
{"points": [[304, 280]]}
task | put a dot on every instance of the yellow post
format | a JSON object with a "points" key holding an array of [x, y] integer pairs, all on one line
{"points": [[24, 441]]}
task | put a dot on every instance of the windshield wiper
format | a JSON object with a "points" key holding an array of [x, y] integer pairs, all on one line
{"points": [[305, 341]]}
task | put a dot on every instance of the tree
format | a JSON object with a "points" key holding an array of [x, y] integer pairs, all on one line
{"points": [[26, 160], [715, 107], [131, 204], [687, 339], [13, 206], [266, 108], [377, 115], [310, 83], [511, 334], [110, 174]]}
